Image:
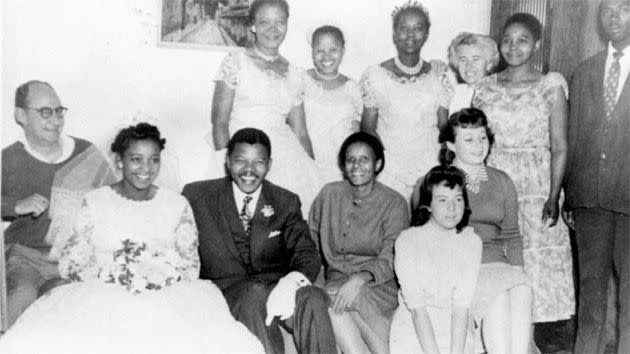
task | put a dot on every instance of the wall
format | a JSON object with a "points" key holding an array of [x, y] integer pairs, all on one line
{"points": [[102, 57]]}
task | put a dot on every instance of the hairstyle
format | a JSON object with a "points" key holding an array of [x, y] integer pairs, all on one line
{"points": [[249, 136], [363, 138], [330, 30], [258, 4], [529, 21], [449, 176], [465, 118], [21, 93], [410, 7], [485, 43], [140, 131]]}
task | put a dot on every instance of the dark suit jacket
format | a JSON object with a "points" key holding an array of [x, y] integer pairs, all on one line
{"points": [[598, 171], [279, 243]]}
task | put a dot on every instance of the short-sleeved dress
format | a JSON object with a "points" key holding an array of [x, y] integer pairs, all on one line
{"points": [[263, 100], [407, 123], [437, 269], [519, 117], [358, 235], [330, 115], [135, 268]]}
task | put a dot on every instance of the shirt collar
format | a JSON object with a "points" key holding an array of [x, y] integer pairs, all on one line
{"points": [[239, 196], [67, 147]]}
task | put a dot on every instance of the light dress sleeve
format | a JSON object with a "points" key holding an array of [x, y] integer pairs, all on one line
{"points": [[470, 259], [354, 92], [408, 252], [550, 83], [367, 89], [229, 69], [297, 83], [186, 245], [78, 259]]}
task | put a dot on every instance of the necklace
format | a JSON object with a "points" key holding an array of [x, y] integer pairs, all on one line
{"points": [[324, 77], [265, 57], [408, 70]]}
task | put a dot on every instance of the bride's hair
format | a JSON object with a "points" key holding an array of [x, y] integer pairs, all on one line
{"points": [[140, 131]]}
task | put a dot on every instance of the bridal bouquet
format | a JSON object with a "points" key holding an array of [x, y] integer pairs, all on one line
{"points": [[139, 269]]}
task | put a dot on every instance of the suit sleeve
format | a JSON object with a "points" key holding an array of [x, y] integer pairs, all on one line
{"points": [[574, 112], [303, 252]]}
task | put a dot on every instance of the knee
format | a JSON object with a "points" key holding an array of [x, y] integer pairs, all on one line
{"points": [[313, 296]]}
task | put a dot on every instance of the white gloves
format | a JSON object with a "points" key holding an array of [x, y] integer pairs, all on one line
{"points": [[281, 300]]}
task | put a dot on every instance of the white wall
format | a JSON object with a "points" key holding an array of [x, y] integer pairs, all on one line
{"points": [[103, 59]]}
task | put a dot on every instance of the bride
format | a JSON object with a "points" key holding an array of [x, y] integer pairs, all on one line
{"points": [[133, 268]]}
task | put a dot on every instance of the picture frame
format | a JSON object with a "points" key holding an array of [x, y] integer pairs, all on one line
{"points": [[205, 24]]}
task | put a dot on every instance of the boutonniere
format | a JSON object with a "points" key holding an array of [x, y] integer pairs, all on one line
{"points": [[267, 210]]}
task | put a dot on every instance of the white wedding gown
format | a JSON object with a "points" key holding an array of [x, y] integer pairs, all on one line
{"points": [[134, 267]]}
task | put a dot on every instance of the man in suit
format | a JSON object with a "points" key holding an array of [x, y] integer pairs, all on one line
{"points": [[598, 178], [251, 235]]}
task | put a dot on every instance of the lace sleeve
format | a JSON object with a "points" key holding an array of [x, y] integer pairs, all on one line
{"points": [[551, 82], [78, 260], [355, 97], [297, 83], [228, 71], [186, 244], [367, 90]]}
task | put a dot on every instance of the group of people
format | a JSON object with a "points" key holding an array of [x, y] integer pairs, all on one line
{"points": [[383, 224]]}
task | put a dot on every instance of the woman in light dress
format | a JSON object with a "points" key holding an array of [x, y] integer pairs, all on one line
{"points": [[133, 265], [437, 263], [405, 100], [527, 111], [332, 101], [259, 88]]}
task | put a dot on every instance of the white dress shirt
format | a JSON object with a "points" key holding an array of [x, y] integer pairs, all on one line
{"points": [[624, 66], [239, 197]]}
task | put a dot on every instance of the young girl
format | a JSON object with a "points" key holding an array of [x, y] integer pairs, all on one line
{"points": [[332, 101], [437, 262]]}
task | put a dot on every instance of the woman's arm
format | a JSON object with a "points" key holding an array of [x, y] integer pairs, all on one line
{"points": [[297, 121], [424, 330], [369, 120], [459, 327], [222, 102], [442, 115], [187, 244], [558, 136]]}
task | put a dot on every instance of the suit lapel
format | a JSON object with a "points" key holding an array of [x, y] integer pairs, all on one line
{"points": [[597, 84], [227, 207], [622, 104]]}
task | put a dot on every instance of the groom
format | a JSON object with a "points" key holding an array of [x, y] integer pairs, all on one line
{"points": [[251, 235]]}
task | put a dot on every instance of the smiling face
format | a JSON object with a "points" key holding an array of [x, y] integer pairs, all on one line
{"points": [[410, 33], [248, 165], [472, 63], [140, 165], [270, 26], [471, 145], [518, 45], [361, 165], [447, 206], [327, 54], [614, 16], [40, 131]]}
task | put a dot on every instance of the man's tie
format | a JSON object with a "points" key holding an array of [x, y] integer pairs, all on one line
{"points": [[246, 218], [610, 86]]}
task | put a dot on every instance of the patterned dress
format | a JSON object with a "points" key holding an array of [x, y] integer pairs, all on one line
{"points": [[407, 123], [330, 115], [519, 117], [135, 268], [263, 100]]}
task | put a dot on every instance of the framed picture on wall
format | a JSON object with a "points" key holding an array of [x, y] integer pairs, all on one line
{"points": [[214, 24]]}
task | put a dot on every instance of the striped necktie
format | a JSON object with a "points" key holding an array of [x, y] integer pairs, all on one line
{"points": [[610, 86], [245, 217]]}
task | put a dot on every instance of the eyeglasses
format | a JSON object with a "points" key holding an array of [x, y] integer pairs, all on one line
{"points": [[47, 112]]}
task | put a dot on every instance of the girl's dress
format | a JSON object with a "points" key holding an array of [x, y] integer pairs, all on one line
{"points": [[437, 269], [407, 123], [330, 115], [134, 267], [519, 117], [263, 100]]}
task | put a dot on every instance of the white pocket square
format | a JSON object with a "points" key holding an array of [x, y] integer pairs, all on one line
{"points": [[274, 233]]}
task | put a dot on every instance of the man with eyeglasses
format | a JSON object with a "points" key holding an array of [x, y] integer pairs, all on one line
{"points": [[44, 176]]}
